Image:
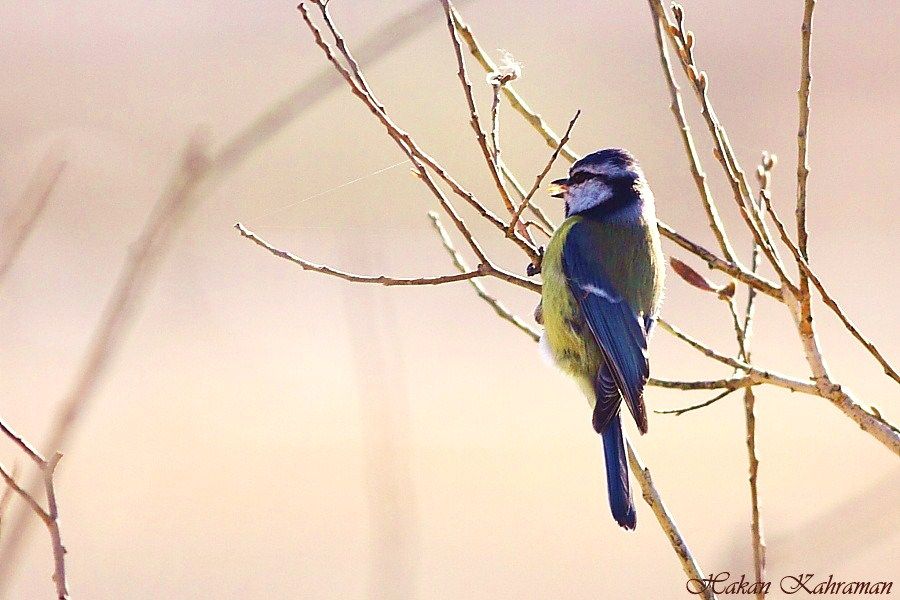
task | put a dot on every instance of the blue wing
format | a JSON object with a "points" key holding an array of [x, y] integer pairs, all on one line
{"points": [[619, 331]]}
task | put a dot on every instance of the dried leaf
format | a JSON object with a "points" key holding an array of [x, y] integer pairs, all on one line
{"points": [[691, 276]]}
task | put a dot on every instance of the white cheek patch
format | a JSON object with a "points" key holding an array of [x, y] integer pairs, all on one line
{"points": [[587, 195], [593, 289]]}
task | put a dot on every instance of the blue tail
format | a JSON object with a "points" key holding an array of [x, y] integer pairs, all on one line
{"points": [[617, 474]]}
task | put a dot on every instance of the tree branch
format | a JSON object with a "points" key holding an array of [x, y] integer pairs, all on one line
{"points": [[146, 254], [677, 107], [526, 201], [803, 129], [474, 121], [49, 517], [654, 500], [459, 262], [680, 411], [360, 89], [481, 271], [515, 100], [826, 297], [641, 473], [684, 46], [21, 222]]}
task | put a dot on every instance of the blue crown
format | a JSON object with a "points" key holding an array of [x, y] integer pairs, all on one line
{"points": [[616, 157]]}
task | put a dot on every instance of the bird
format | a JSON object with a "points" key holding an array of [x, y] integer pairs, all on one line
{"points": [[603, 275]]}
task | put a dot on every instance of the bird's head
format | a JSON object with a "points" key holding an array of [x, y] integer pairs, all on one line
{"points": [[609, 177]]}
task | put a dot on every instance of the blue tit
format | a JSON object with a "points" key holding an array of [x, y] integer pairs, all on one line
{"points": [[603, 274]]}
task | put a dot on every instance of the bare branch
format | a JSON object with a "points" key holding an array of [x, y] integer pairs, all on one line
{"points": [[540, 178], [146, 254], [59, 550], [22, 443], [459, 262], [871, 423], [6, 497], [546, 224], [32, 503], [731, 383], [756, 375], [481, 271], [515, 100], [743, 348], [803, 129], [767, 287], [49, 517], [803, 312], [19, 225], [680, 411], [764, 176], [654, 500], [492, 162], [677, 107], [360, 89], [756, 532], [743, 196], [539, 227], [826, 297], [757, 543]]}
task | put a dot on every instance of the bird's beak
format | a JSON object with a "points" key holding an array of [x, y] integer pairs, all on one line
{"points": [[557, 188]]}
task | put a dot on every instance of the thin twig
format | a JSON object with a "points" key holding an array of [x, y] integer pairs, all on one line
{"points": [[756, 531], [498, 79], [755, 374], [546, 224], [743, 351], [30, 500], [540, 178], [22, 443], [731, 383], [757, 542], [829, 301], [539, 227], [50, 516], [5, 498], [474, 121], [481, 271], [680, 411], [145, 257], [21, 222], [684, 45], [495, 123], [803, 129], [764, 176], [460, 263], [417, 156], [873, 424], [714, 262], [514, 98], [677, 107], [59, 550], [654, 500], [804, 319], [641, 472]]}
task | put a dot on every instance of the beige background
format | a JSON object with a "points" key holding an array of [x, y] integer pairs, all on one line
{"points": [[270, 433]]}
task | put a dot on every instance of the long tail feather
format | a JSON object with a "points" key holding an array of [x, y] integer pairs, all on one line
{"points": [[617, 483]]}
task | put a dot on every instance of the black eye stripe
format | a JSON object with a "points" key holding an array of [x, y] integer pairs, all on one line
{"points": [[583, 176]]}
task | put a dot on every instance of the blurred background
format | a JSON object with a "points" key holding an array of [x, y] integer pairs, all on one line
{"points": [[271, 433]]}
